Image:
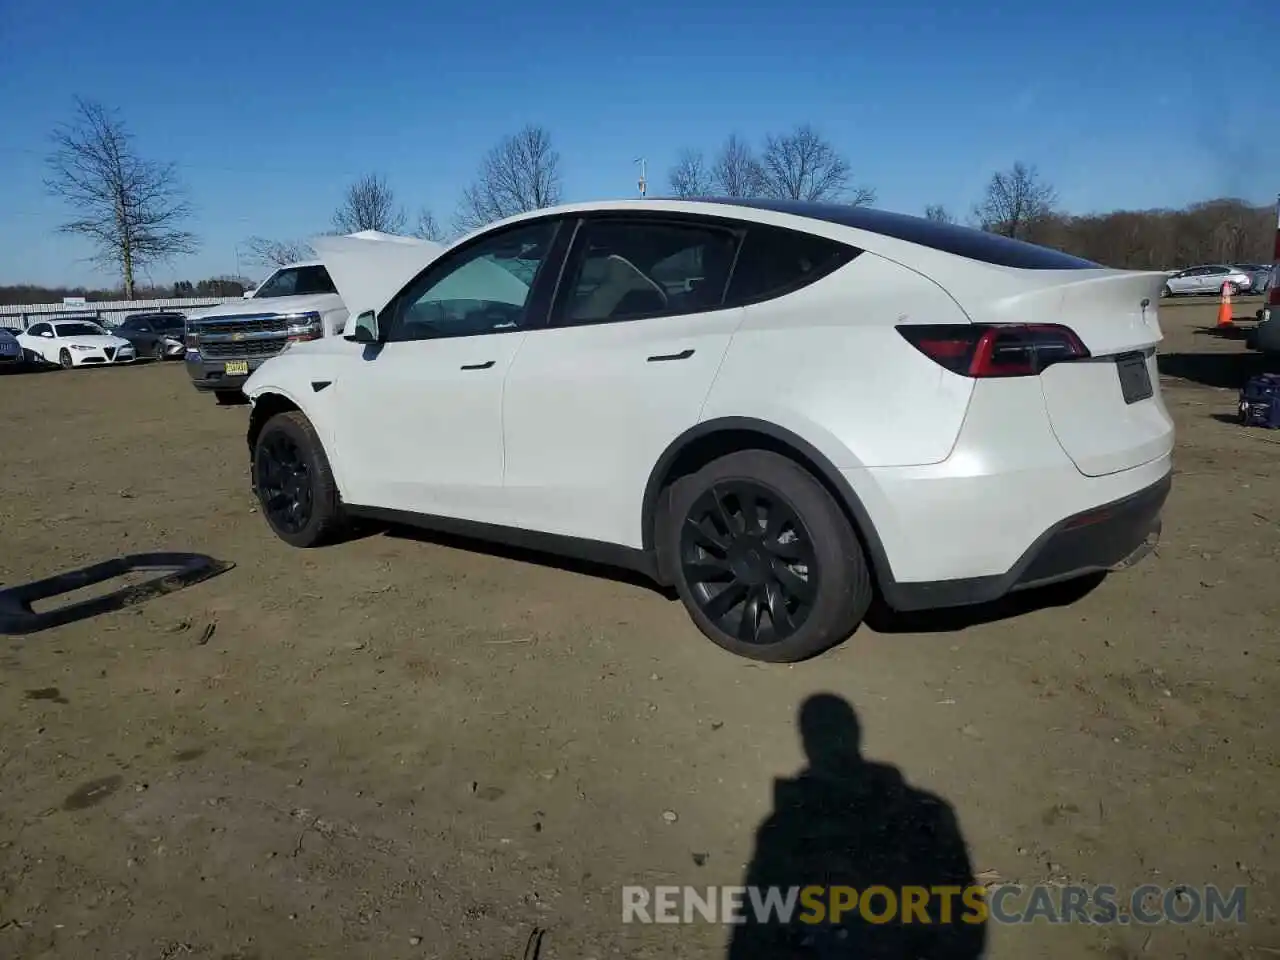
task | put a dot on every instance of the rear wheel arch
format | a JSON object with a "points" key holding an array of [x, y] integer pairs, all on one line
{"points": [[708, 441]]}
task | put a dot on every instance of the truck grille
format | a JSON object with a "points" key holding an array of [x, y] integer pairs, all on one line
{"points": [[237, 338]]}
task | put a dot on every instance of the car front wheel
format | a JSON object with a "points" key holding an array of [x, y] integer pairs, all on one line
{"points": [[64, 360], [294, 483], [763, 558]]}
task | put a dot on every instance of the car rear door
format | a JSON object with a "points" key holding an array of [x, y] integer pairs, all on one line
{"points": [[637, 333]]}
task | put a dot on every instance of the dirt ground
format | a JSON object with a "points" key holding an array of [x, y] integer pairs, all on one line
{"points": [[402, 747]]}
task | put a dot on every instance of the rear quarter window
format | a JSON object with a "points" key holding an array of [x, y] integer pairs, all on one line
{"points": [[774, 262]]}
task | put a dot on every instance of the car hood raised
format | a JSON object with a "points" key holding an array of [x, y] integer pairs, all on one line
{"points": [[369, 270]]}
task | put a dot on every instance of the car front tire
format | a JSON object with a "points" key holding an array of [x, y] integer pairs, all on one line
{"points": [[64, 360], [294, 483], [766, 563]]}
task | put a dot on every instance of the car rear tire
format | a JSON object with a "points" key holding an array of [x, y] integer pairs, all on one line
{"points": [[294, 483], [64, 360], [1167, 291], [766, 563]]}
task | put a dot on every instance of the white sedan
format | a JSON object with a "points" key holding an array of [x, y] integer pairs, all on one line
{"points": [[75, 343]]}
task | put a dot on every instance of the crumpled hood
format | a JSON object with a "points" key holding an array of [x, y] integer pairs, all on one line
{"points": [[318, 302], [370, 269]]}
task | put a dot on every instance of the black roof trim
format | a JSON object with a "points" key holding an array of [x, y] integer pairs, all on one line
{"points": [[947, 237]]}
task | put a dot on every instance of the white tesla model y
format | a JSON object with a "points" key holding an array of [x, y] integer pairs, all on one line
{"points": [[778, 408]]}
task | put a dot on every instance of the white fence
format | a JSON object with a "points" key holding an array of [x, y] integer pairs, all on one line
{"points": [[106, 312]]}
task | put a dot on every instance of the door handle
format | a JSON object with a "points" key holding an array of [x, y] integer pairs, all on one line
{"points": [[682, 355], [478, 366]]}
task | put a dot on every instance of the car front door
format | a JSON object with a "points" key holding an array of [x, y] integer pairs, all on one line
{"points": [[637, 333], [1213, 278], [1182, 282], [418, 426]]}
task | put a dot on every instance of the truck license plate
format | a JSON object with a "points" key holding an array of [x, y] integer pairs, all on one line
{"points": [[237, 368]]}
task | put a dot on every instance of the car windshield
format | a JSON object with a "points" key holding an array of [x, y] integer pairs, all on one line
{"points": [[78, 330], [295, 282]]}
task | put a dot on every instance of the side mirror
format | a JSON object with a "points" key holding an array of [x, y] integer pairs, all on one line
{"points": [[46, 333], [365, 329]]}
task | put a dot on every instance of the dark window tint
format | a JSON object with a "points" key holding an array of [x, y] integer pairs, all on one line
{"points": [[135, 325], [296, 282], [39, 329], [947, 237], [774, 262], [624, 270]]}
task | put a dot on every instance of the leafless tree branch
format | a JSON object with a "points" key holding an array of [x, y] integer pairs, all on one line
{"points": [[937, 212], [369, 204], [130, 209], [277, 253], [521, 173], [801, 165], [1016, 200], [736, 172], [690, 177], [427, 228]]}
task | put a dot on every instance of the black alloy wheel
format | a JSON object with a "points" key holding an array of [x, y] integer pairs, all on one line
{"points": [[284, 483], [749, 562]]}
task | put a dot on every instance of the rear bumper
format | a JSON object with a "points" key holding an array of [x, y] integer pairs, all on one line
{"points": [[1113, 536]]}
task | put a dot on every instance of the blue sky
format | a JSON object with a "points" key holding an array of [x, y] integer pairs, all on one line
{"points": [[269, 109]]}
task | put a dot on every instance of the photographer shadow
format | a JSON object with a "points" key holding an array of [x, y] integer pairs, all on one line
{"points": [[848, 822]]}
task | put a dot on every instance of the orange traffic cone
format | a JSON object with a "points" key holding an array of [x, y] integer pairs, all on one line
{"points": [[1225, 315]]}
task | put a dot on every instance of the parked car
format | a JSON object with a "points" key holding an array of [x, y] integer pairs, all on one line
{"points": [[298, 302], [157, 335], [1259, 276], [1207, 279], [74, 343], [10, 350], [835, 402]]}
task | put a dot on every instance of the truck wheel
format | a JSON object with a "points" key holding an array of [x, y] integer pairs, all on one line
{"points": [[767, 565], [229, 398], [294, 483]]}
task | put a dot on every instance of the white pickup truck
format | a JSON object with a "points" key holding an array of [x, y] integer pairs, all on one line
{"points": [[226, 343]]}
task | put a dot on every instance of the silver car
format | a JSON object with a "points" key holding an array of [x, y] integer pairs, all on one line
{"points": [[1208, 279]]}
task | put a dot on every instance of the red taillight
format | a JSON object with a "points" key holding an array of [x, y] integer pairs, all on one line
{"points": [[998, 350]]}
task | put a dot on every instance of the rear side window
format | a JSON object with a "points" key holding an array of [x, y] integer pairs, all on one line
{"points": [[625, 270], [774, 262]]}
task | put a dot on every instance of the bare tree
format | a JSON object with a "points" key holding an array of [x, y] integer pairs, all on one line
{"points": [[277, 253], [130, 209], [938, 213], [521, 173], [690, 176], [427, 228], [736, 172], [801, 165], [369, 204], [1016, 201]]}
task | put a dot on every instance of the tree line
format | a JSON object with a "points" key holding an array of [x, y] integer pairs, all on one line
{"points": [[134, 212]]}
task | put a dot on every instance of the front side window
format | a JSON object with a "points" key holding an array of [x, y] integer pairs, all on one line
{"points": [[484, 288], [625, 270], [297, 282], [39, 330]]}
